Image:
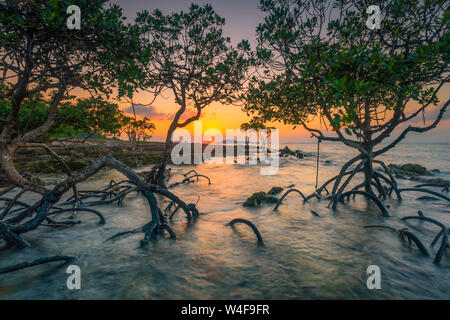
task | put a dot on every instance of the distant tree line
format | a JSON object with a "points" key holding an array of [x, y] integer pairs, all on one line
{"points": [[83, 118]]}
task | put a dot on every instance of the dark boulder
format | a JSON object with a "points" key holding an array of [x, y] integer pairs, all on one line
{"points": [[275, 190]]}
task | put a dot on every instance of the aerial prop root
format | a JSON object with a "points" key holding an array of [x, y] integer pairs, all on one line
{"points": [[38, 213], [434, 193], [339, 188], [403, 233], [370, 196], [251, 225], [285, 195], [444, 233], [187, 179], [437, 185]]}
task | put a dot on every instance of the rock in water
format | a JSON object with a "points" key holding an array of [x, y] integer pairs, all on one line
{"points": [[410, 169], [261, 197], [270, 199], [285, 152], [275, 190], [255, 199], [299, 154]]}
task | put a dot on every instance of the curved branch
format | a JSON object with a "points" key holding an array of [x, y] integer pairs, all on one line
{"points": [[437, 194], [413, 129], [251, 225], [441, 250], [367, 195], [286, 193]]}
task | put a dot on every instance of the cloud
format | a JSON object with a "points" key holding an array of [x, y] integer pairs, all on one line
{"points": [[151, 113], [146, 111]]}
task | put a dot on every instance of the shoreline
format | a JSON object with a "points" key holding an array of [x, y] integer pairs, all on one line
{"points": [[42, 168]]}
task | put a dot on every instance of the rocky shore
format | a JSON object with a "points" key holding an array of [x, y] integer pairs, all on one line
{"points": [[40, 167], [416, 172]]}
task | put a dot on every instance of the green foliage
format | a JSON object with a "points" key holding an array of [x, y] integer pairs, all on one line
{"points": [[42, 60], [92, 115], [85, 117], [257, 125], [138, 130], [103, 43], [338, 69], [191, 57], [33, 113]]}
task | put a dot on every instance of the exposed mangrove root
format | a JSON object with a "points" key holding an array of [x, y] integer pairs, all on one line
{"points": [[251, 225], [424, 219], [285, 195], [359, 186], [315, 213], [437, 194], [151, 229], [402, 234], [323, 189], [59, 159], [59, 224], [412, 238], [189, 180], [10, 237], [430, 220], [444, 187], [312, 195], [337, 192], [388, 172], [23, 218], [444, 233], [114, 192], [123, 234], [444, 245], [98, 214], [436, 238], [380, 205], [373, 179], [192, 207], [392, 184], [174, 211], [169, 207], [36, 263], [11, 204], [189, 172], [380, 226]]}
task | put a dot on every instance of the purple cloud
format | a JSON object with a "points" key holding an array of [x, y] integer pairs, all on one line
{"points": [[151, 113]]}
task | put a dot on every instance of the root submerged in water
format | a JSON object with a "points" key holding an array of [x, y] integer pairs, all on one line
{"points": [[251, 225]]}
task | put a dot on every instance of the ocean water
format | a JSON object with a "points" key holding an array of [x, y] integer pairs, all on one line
{"points": [[304, 257]]}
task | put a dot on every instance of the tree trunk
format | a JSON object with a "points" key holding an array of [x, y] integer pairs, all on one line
{"points": [[368, 170], [158, 178]]}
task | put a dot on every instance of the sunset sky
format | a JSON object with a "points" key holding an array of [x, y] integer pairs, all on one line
{"points": [[242, 17]]}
